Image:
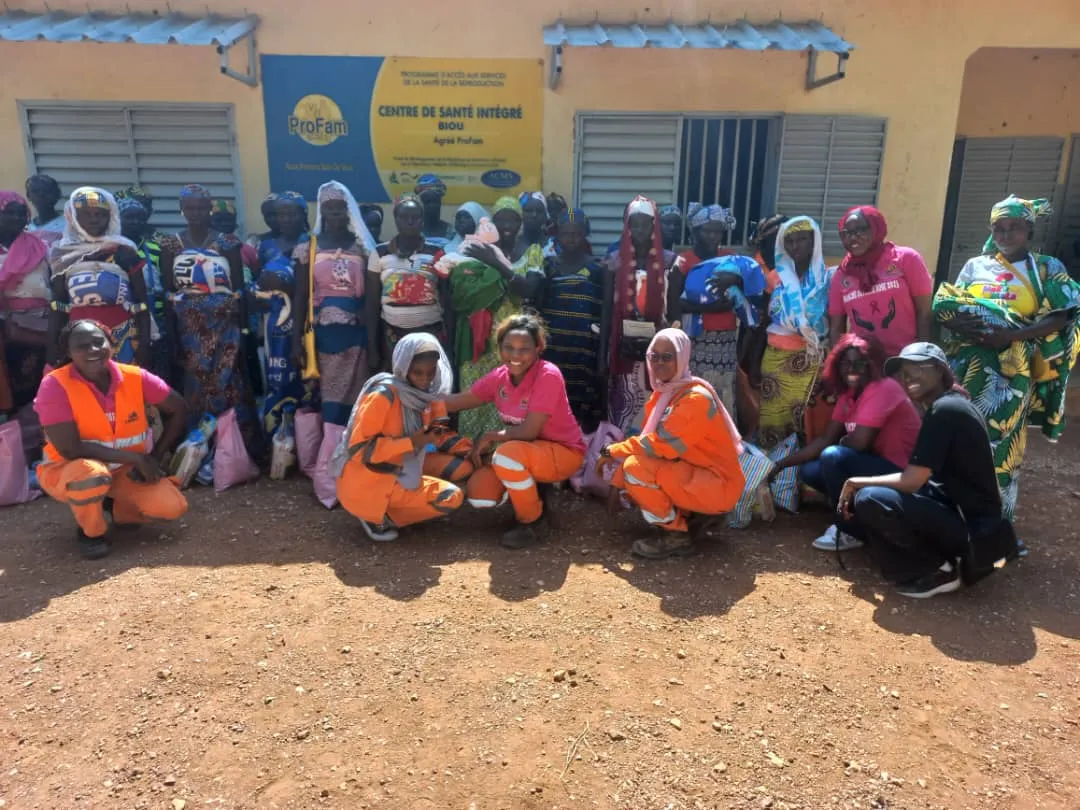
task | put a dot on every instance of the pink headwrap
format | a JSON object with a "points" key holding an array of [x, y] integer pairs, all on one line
{"points": [[26, 253], [682, 378]]}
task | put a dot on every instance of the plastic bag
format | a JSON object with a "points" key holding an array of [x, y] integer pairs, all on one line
{"points": [[756, 468], [14, 475], [232, 464], [785, 487], [586, 480], [191, 452], [284, 449], [309, 436], [325, 483]]}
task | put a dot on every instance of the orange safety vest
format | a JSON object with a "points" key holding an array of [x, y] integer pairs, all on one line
{"points": [[131, 432]]}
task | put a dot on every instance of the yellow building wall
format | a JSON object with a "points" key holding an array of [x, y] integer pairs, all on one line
{"points": [[908, 66]]}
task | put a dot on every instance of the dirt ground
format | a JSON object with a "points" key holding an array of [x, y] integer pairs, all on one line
{"points": [[260, 654]]}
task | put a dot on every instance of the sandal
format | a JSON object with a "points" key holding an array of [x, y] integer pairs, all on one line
{"points": [[669, 544]]}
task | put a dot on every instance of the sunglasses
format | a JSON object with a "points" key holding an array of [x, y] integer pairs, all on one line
{"points": [[660, 357]]}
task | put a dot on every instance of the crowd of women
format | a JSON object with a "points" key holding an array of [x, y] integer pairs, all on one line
{"points": [[473, 360]]}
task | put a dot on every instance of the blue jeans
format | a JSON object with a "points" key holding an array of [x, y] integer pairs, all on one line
{"points": [[833, 467]]}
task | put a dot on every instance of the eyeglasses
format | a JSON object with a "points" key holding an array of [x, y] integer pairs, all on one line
{"points": [[852, 233], [660, 357]]}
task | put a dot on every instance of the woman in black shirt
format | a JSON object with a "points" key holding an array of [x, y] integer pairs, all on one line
{"points": [[937, 524]]}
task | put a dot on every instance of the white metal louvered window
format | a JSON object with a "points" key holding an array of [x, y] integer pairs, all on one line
{"points": [[992, 169], [827, 165], [158, 146], [619, 157], [816, 165], [1068, 245]]}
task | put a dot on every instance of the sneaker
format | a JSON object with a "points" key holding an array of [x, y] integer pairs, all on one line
{"points": [[1021, 549], [931, 585], [836, 540], [669, 544], [92, 548], [383, 533]]}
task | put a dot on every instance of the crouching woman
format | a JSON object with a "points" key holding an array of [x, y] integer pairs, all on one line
{"points": [[685, 461], [939, 522], [541, 443], [389, 468], [98, 438]]}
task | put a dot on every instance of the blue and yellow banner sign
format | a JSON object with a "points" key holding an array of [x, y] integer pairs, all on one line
{"points": [[378, 124]]}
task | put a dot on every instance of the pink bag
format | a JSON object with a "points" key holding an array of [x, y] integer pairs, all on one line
{"points": [[586, 480], [14, 477], [232, 464], [309, 435], [325, 483]]}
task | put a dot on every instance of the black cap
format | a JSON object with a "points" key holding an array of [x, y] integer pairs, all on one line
{"points": [[916, 353]]}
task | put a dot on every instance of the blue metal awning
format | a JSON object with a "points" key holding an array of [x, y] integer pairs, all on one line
{"points": [[812, 37], [140, 29]]}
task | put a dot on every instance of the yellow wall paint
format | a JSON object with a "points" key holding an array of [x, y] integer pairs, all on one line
{"points": [[908, 67], [1020, 92]]}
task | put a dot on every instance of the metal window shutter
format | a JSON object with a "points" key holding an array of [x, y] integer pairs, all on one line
{"points": [[1069, 218], [158, 146], [993, 169], [619, 157], [827, 165]]}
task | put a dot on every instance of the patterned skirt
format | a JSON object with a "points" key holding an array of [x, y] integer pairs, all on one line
{"points": [[714, 356], [786, 378]]}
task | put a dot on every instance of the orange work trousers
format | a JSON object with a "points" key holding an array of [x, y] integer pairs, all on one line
{"points": [[84, 484], [665, 491], [515, 470], [433, 498], [450, 461]]}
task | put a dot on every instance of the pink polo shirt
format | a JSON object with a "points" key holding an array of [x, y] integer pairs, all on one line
{"points": [[883, 404], [54, 408], [543, 390]]}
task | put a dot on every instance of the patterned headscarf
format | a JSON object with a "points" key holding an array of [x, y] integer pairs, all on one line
{"points": [[672, 211], [193, 191], [765, 229], [506, 203], [575, 215], [130, 204], [864, 268], [698, 214], [136, 192], [86, 198], [430, 182], [76, 241], [223, 207], [26, 252], [534, 195], [1013, 207], [294, 197], [650, 295], [337, 191]]}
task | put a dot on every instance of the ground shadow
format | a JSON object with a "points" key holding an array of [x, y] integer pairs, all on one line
{"points": [[279, 523]]}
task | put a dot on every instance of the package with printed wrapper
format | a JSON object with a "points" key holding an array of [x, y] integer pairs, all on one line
{"points": [[191, 453]]}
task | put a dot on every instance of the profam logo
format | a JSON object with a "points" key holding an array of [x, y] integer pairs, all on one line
{"points": [[317, 120]]}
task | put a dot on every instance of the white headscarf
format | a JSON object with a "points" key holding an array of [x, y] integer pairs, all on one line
{"points": [[474, 210], [413, 401], [800, 306], [76, 242], [336, 191]]}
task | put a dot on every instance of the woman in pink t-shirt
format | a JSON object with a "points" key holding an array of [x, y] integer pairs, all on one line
{"points": [[880, 288], [872, 431], [541, 443]]}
